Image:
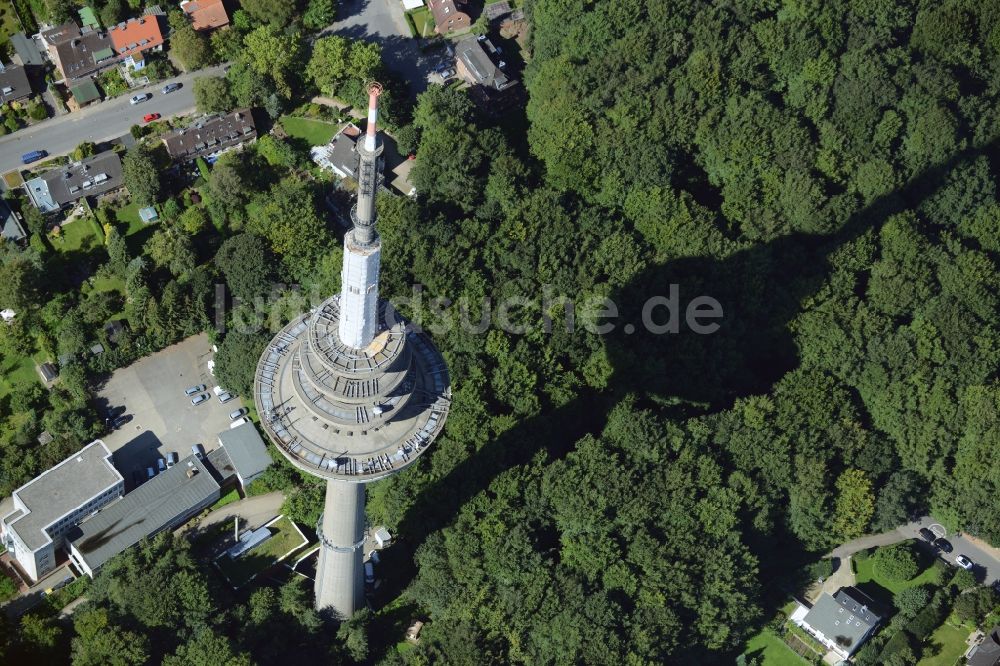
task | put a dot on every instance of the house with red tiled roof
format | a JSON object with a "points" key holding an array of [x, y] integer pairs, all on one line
{"points": [[133, 38], [205, 14], [449, 15]]}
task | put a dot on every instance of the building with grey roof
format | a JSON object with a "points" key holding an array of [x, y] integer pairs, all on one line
{"points": [[56, 188], [987, 652], [246, 451], [11, 228], [27, 50], [212, 136], [162, 503], [340, 154], [50, 505], [76, 52], [842, 622], [14, 83], [482, 66]]}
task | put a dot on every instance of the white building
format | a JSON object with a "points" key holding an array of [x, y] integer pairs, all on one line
{"points": [[52, 503]]}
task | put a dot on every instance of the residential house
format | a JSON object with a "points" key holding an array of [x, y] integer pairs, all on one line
{"points": [[56, 188], [986, 653], [14, 83], [205, 14], [11, 228], [26, 50], [211, 136], [50, 505], [78, 53], [481, 65], [134, 38], [842, 622], [340, 154], [449, 16]]}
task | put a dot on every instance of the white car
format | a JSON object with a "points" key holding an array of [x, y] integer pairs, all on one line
{"points": [[138, 99], [238, 422], [964, 562]]}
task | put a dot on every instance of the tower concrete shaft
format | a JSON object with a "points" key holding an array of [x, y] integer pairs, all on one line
{"points": [[340, 572], [362, 249]]}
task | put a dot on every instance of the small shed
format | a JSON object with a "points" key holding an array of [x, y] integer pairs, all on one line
{"points": [[85, 92], [48, 372], [413, 632], [382, 537], [97, 349], [45, 438], [148, 214]]}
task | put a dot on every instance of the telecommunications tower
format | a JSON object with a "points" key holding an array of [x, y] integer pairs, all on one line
{"points": [[351, 392]]}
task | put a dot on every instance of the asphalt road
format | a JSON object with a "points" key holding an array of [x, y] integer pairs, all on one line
{"points": [[99, 122]]}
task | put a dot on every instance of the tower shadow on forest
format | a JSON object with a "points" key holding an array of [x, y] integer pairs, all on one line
{"points": [[761, 290]]}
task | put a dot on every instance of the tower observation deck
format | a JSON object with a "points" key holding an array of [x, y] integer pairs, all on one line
{"points": [[351, 392]]}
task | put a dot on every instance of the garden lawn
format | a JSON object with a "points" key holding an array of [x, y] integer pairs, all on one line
{"points": [[284, 538], [15, 370], [865, 572], [77, 235], [228, 498], [773, 650], [8, 24], [945, 646], [315, 132]]}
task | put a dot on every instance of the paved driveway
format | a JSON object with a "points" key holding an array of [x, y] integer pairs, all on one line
{"points": [[99, 122], [382, 22], [163, 418], [985, 557]]}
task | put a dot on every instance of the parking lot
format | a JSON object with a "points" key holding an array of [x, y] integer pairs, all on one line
{"points": [[162, 416], [986, 566]]}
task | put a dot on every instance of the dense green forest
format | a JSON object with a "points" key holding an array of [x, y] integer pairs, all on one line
{"points": [[826, 171]]}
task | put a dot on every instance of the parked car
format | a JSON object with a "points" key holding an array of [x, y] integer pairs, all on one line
{"points": [[225, 397], [191, 390], [369, 572], [927, 535], [138, 99], [237, 414], [198, 399], [198, 451], [943, 544], [446, 73], [33, 156], [150, 472], [171, 459], [122, 420], [238, 422], [150, 117], [964, 562], [161, 464], [170, 87]]}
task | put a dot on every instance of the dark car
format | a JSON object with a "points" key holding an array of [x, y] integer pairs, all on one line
{"points": [[944, 545], [927, 535], [122, 420]]}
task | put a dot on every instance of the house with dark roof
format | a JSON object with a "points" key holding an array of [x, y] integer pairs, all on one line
{"points": [[78, 53], [11, 228], [842, 622], [14, 83], [340, 154], [987, 652], [210, 137], [27, 50], [497, 10], [205, 14], [59, 187], [449, 16], [133, 38], [480, 64]]}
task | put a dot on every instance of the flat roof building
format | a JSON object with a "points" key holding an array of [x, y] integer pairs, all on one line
{"points": [[50, 505], [14, 83], [211, 136], [164, 502], [247, 452], [56, 188]]}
